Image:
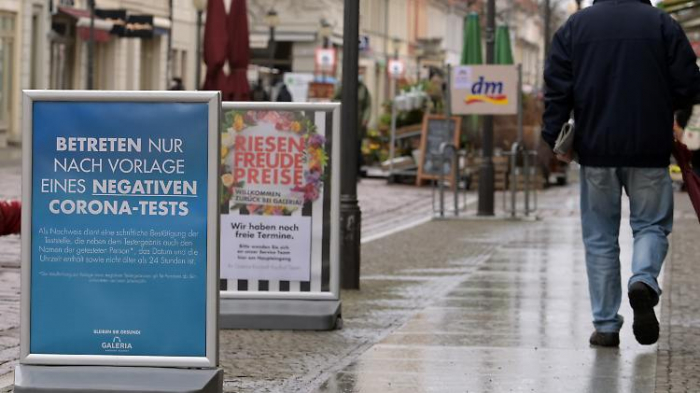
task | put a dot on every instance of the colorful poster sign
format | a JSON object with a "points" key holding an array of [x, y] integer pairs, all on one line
{"points": [[484, 90], [274, 173], [121, 228]]}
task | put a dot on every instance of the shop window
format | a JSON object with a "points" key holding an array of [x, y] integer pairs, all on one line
{"points": [[61, 56], [34, 62], [105, 66], [150, 64], [179, 65]]}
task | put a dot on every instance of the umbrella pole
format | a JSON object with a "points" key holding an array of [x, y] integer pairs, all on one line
{"points": [[486, 172]]}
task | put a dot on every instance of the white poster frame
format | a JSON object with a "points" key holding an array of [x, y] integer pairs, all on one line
{"points": [[334, 285]]}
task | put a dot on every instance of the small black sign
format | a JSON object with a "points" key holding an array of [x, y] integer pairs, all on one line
{"points": [[436, 131]]}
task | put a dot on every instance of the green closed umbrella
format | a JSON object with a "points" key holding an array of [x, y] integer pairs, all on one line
{"points": [[471, 53], [504, 53]]}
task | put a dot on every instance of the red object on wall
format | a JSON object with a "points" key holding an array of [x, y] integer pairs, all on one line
{"points": [[10, 217]]}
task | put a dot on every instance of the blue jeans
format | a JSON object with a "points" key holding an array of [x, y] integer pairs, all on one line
{"points": [[651, 218]]}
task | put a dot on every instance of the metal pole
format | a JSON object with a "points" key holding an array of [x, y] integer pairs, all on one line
{"points": [[448, 115], [325, 45], [486, 171], [448, 97], [272, 58], [513, 179], [455, 165], [392, 148], [91, 48], [526, 164], [198, 63], [169, 59], [350, 214], [443, 160], [392, 96], [526, 161], [447, 127], [520, 104]]}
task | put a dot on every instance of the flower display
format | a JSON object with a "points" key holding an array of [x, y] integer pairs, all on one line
{"points": [[315, 158]]}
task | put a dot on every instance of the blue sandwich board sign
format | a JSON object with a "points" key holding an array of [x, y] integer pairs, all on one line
{"points": [[120, 228]]}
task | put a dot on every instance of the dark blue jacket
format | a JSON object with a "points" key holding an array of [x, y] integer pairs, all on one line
{"points": [[623, 67]]}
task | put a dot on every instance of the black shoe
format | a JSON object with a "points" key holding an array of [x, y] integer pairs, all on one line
{"points": [[600, 339], [645, 326]]}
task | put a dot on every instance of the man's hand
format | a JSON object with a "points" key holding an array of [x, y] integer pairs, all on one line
{"points": [[567, 158], [677, 131]]}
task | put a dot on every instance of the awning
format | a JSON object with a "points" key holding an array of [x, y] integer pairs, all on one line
{"points": [[82, 18], [128, 25], [116, 22]]}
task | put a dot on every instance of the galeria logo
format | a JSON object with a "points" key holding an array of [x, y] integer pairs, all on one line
{"points": [[487, 92], [116, 345]]}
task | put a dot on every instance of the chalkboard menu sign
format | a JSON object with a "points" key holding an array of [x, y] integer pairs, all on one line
{"points": [[436, 131]]}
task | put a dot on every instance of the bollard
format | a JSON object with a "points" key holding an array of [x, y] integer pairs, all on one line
{"points": [[444, 148], [515, 149], [529, 193]]}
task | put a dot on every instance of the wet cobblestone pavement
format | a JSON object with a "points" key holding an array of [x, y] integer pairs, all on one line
{"points": [[518, 323], [454, 306], [678, 367]]}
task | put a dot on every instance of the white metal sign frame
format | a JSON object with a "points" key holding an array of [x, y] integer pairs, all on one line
{"points": [[332, 112], [213, 99]]}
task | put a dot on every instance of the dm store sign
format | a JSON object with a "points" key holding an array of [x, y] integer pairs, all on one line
{"points": [[484, 90]]}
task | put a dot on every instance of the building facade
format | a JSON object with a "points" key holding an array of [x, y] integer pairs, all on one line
{"points": [[23, 59], [142, 45], [422, 33], [44, 45]]}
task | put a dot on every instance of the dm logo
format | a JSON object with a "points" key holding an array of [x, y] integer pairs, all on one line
{"points": [[116, 345], [487, 92]]}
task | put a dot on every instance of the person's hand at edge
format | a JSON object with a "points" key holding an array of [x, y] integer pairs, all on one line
{"points": [[567, 158]]}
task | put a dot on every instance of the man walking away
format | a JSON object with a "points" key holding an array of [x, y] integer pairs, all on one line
{"points": [[623, 67]]}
